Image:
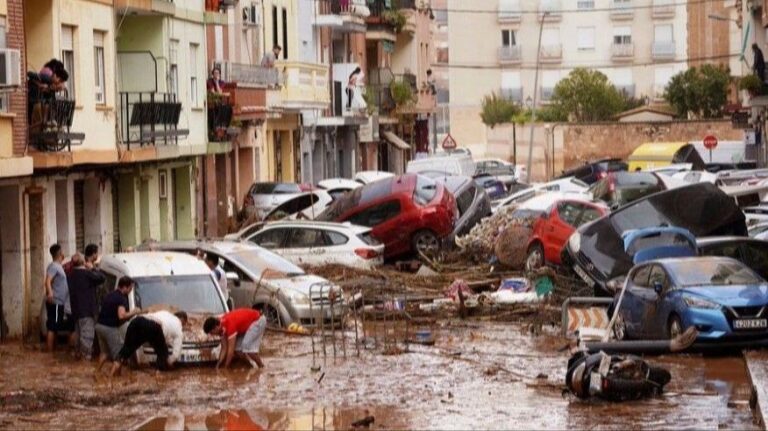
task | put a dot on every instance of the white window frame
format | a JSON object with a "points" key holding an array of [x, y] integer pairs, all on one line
{"points": [[99, 82], [588, 43], [671, 33], [173, 78], [622, 35], [194, 99], [512, 36], [68, 57]]}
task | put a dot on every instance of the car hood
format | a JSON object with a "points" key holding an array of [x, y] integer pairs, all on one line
{"points": [[733, 296], [300, 284]]}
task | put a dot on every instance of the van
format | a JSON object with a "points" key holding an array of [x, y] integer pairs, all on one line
{"points": [[173, 281], [453, 164]]}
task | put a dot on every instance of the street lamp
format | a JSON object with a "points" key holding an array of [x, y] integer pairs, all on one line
{"points": [[535, 93]]}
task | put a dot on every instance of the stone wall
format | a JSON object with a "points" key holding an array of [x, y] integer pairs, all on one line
{"points": [[582, 142]]}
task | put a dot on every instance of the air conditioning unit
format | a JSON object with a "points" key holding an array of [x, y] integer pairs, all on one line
{"points": [[251, 15], [10, 68]]}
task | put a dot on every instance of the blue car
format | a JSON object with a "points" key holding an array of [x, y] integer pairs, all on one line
{"points": [[720, 296]]}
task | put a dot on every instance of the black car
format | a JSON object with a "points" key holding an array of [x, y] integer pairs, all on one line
{"points": [[596, 250], [594, 171], [749, 251]]}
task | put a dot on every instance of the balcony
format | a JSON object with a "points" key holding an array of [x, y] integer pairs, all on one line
{"points": [[550, 10], [220, 115], [509, 54], [381, 21], [379, 93], [149, 119], [424, 96], [628, 90], [250, 75], [346, 16], [663, 9], [663, 50], [513, 94], [622, 51], [546, 93], [305, 85], [551, 53], [145, 7], [622, 10], [248, 103], [509, 11], [50, 125]]}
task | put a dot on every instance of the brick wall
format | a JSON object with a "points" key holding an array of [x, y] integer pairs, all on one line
{"points": [[18, 105], [595, 141]]}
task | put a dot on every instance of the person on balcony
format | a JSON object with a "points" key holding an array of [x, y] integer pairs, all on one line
{"points": [[44, 85], [219, 109], [270, 58], [431, 82], [351, 86], [758, 66]]}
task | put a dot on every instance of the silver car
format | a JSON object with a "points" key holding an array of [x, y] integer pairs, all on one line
{"points": [[260, 279], [472, 201], [264, 197]]}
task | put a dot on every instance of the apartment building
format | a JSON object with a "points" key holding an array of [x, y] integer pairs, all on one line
{"points": [[441, 71], [638, 44]]}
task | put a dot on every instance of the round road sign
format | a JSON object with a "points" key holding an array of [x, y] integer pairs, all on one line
{"points": [[710, 142]]}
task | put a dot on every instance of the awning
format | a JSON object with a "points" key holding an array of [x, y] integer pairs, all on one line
{"points": [[396, 141]]}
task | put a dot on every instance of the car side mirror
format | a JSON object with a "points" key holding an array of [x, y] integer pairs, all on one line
{"points": [[658, 288], [233, 278]]}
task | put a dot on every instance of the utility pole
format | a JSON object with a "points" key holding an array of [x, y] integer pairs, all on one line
{"points": [[535, 94]]}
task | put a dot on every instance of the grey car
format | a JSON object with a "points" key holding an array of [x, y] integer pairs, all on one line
{"points": [[265, 197], [472, 201], [260, 279]]}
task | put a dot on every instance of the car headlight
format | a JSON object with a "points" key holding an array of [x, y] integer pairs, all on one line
{"points": [[574, 242], [299, 298], [696, 302]]}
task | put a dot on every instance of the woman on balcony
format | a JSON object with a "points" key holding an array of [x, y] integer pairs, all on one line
{"points": [[351, 86], [219, 108]]}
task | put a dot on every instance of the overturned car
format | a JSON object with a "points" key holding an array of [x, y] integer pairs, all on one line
{"points": [[596, 250]]}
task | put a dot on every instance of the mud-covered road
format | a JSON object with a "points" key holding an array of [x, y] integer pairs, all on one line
{"points": [[478, 375]]}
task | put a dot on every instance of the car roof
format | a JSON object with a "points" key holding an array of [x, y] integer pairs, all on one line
{"points": [[675, 260], [215, 245], [318, 224], [154, 264], [546, 200], [333, 183]]}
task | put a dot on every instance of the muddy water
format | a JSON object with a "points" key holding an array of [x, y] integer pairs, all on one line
{"points": [[478, 375]]}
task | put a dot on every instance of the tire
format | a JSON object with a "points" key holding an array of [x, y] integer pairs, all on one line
{"points": [[674, 326], [535, 259], [620, 328], [425, 241], [272, 315]]}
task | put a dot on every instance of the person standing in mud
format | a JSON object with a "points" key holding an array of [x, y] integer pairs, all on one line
{"points": [[158, 329], [57, 304], [241, 332], [114, 312], [83, 284]]}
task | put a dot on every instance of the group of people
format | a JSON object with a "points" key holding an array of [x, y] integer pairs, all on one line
{"points": [[71, 302]]}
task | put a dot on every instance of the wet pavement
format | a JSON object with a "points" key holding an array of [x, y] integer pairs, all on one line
{"points": [[477, 375]]}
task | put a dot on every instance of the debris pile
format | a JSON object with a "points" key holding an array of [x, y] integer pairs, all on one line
{"points": [[503, 236]]}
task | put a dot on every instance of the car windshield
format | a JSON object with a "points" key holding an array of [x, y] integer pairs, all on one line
{"points": [[659, 239], [425, 191], [708, 272], [263, 263], [190, 293], [274, 188]]}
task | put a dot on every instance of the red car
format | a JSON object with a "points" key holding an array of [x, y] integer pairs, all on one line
{"points": [[407, 213], [557, 222]]}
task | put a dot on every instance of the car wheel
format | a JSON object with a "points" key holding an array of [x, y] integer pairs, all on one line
{"points": [[426, 242], [272, 315], [535, 258], [675, 327], [620, 328]]}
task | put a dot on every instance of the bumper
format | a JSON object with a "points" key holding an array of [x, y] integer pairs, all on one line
{"points": [[318, 314], [190, 354], [713, 325]]}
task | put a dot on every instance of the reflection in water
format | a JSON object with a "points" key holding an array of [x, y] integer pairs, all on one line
{"points": [[255, 419]]}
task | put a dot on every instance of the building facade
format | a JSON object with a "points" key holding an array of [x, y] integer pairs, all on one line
{"points": [[638, 44]]}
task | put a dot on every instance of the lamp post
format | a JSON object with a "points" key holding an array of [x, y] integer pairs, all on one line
{"points": [[535, 93]]}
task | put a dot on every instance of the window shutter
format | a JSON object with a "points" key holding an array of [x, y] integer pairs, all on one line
{"points": [[67, 38]]}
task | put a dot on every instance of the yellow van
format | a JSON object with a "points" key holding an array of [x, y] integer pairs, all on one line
{"points": [[653, 155]]}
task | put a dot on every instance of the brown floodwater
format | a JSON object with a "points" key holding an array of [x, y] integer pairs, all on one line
{"points": [[477, 375]]}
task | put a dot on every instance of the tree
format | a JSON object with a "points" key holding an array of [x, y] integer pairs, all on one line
{"points": [[699, 92], [497, 110], [586, 95]]}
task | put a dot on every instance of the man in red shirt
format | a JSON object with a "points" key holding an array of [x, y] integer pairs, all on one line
{"points": [[241, 331]]}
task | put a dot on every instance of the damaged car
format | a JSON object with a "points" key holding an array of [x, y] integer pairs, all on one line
{"points": [[596, 250]]}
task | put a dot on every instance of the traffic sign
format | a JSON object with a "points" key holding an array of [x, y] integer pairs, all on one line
{"points": [[449, 143], [710, 142]]}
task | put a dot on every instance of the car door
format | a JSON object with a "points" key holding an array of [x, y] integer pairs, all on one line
{"points": [[559, 228], [273, 239], [386, 226], [307, 246], [631, 303], [650, 304], [242, 292]]}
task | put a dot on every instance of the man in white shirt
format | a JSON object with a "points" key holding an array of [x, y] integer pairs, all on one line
{"points": [[221, 277], [158, 329]]}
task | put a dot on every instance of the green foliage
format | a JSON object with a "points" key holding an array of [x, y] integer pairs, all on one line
{"points": [[699, 92], [402, 93], [586, 95], [497, 110], [369, 95], [395, 18], [752, 84]]}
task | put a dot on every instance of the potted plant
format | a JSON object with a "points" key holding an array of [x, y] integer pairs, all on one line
{"points": [[752, 84]]}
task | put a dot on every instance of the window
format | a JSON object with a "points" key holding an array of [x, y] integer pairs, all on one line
{"points": [[68, 55], [640, 278], [193, 99], [662, 33], [376, 215], [98, 63], [285, 34], [622, 35], [569, 212], [273, 238], [508, 80], [586, 38], [585, 4], [425, 190], [275, 38], [306, 238], [465, 199], [335, 238], [174, 68], [508, 38], [589, 214]]}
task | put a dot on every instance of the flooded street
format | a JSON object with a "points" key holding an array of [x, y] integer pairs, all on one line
{"points": [[477, 375]]}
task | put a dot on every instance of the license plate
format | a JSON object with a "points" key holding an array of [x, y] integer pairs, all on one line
{"points": [[583, 275], [750, 324], [186, 357]]}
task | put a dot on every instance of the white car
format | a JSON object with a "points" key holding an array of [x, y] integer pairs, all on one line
{"points": [[759, 231], [367, 177], [696, 177], [304, 206], [564, 185], [338, 186], [756, 214], [320, 243]]}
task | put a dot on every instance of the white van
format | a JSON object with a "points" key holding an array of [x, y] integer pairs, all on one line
{"points": [[175, 280], [454, 164]]}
